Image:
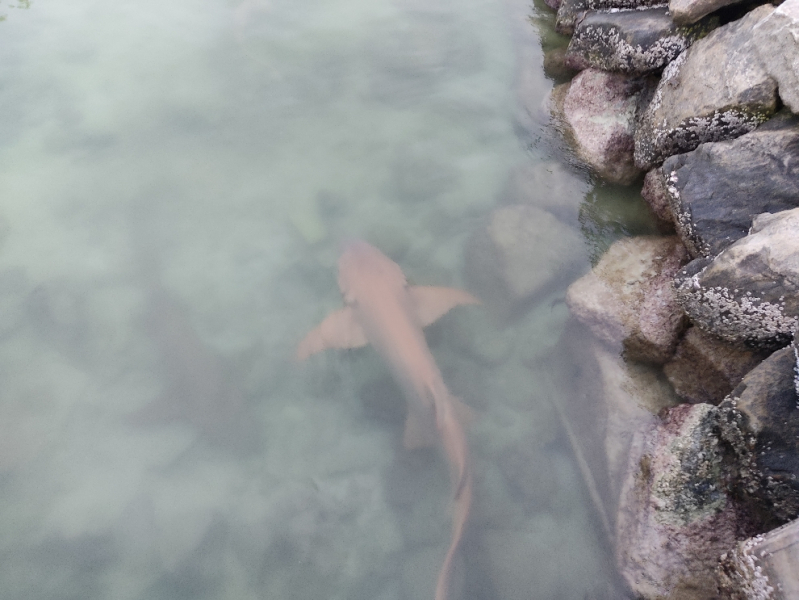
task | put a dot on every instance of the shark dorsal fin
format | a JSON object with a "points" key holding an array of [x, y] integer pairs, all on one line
{"points": [[432, 302], [338, 330]]}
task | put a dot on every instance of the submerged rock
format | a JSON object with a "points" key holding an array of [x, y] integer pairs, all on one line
{"points": [[716, 190], [675, 518], [750, 292], [627, 300], [706, 368], [499, 255], [763, 567], [597, 111], [777, 40], [715, 90], [633, 42], [761, 423]]}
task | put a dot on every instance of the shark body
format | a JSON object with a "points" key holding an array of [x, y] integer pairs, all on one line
{"points": [[381, 309]]}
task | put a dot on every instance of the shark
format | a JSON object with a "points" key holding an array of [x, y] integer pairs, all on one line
{"points": [[382, 309]]}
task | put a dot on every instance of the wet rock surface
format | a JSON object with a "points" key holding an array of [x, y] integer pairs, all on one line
{"points": [[706, 368], [761, 423], [750, 292], [656, 195], [597, 111], [627, 300], [633, 42], [715, 90], [685, 12], [675, 517], [715, 191], [498, 255]]}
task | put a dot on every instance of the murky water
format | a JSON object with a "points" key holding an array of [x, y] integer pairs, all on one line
{"points": [[176, 179]]}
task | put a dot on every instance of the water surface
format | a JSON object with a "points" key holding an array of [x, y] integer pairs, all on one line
{"points": [[176, 180]]}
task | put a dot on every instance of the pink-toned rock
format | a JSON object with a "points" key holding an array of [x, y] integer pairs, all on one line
{"points": [[597, 110], [627, 300], [706, 368], [675, 516]]}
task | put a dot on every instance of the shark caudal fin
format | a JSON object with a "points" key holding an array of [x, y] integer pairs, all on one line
{"points": [[433, 302], [338, 330]]}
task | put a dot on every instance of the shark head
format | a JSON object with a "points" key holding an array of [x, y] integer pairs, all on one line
{"points": [[363, 270]]}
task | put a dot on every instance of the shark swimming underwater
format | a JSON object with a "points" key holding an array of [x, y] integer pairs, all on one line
{"points": [[381, 309]]}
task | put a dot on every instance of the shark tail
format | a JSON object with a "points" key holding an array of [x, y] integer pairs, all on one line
{"points": [[454, 440]]}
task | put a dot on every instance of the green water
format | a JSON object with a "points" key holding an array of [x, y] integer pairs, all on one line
{"points": [[175, 181]]}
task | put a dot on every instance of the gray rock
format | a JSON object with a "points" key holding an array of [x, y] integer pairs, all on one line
{"points": [[520, 251], [569, 10], [761, 423], [685, 12], [627, 300], [795, 347], [763, 567], [633, 42], [776, 38], [715, 90], [706, 368], [716, 190], [597, 111], [675, 517], [750, 292]]}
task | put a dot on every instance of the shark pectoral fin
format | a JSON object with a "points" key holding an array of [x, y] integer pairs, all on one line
{"points": [[338, 330], [432, 302], [420, 432]]}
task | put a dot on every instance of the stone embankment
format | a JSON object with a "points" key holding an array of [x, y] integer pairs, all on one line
{"points": [[698, 484]]}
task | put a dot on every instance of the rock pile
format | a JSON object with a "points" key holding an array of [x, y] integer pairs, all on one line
{"points": [[706, 102]]}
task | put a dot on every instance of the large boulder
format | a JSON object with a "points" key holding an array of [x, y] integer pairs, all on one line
{"points": [[633, 42], [715, 191], [706, 368], [597, 112], [750, 292], [675, 516], [627, 299], [761, 423], [777, 40], [715, 90], [685, 12]]}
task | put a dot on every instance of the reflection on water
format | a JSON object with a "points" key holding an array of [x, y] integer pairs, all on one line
{"points": [[176, 180]]}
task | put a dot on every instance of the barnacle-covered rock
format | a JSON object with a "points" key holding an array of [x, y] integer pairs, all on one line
{"points": [[777, 40], [761, 423], [569, 10], [633, 42], [750, 292], [714, 191], [762, 567], [715, 90]]}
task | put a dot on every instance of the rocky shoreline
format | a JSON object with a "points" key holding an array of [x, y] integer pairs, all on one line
{"points": [[696, 431]]}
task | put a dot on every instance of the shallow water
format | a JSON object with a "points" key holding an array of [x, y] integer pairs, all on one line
{"points": [[176, 180]]}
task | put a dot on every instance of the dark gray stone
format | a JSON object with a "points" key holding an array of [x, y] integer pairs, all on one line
{"points": [[716, 190], [685, 12], [716, 90], [634, 42], [750, 292], [760, 420], [569, 10]]}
